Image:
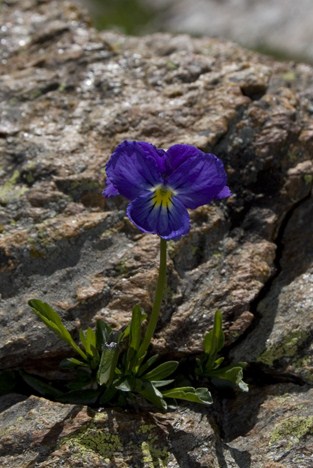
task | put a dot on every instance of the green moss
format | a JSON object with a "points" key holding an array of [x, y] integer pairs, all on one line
{"points": [[93, 439], [62, 87], [287, 347], [10, 190], [289, 76], [308, 178], [36, 253], [40, 243], [121, 268], [170, 65], [131, 16], [109, 444], [304, 366], [291, 430], [29, 172], [151, 457], [293, 155]]}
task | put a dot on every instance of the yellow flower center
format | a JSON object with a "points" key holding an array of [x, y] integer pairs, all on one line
{"points": [[162, 196]]}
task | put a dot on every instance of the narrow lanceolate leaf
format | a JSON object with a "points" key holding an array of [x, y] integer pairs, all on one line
{"points": [[161, 383], [134, 340], [88, 340], [83, 339], [162, 371], [218, 362], [51, 318], [103, 332], [83, 397], [148, 363], [135, 327], [214, 339], [150, 393], [107, 364], [41, 387], [73, 362], [196, 395]]}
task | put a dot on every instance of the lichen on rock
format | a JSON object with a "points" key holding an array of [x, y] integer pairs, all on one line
{"points": [[69, 95]]}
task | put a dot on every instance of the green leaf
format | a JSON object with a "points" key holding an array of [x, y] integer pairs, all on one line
{"points": [[82, 397], [73, 362], [41, 387], [124, 386], [138, 316], [51, 318], [161, 383], [150, 393], [124, 333], [214, 339], [149, 362], [88, 340], [162, 371], [108, 363], [83, 340], [95, 358], [8, 382], [103, 333], [134, 342], [107, 395], [218, 362], [130, 359], [81, 382], [232, 374], [196, 395]]}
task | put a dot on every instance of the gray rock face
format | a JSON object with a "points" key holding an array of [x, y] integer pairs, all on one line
{"points": [[284, 338], [283, 27], [69, 95]]}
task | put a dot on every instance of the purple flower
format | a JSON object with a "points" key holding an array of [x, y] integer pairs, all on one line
{"points": [[161, 185]]}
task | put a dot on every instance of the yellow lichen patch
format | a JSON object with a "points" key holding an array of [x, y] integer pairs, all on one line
{"points": [[304, 365], [121, 441], [308, 178], [291, 430], [151, 458], [11, 190], [287, 347]]}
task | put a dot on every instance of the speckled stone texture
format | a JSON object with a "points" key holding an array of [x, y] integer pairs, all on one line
{"points": [[69, 95]]}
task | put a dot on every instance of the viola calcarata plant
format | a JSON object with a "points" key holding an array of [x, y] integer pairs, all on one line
{"points": [[117, 366]]}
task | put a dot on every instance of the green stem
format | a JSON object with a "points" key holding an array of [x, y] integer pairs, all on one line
{"points": [[160, 289]]}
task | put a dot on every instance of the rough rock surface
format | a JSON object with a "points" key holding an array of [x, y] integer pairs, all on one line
{"points": [[69, 95]]}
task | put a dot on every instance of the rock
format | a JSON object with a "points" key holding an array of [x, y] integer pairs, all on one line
{"points": [[69, 95], [32, 441], [264, 25], [283, 334], [280, 436], [55, 435]]}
